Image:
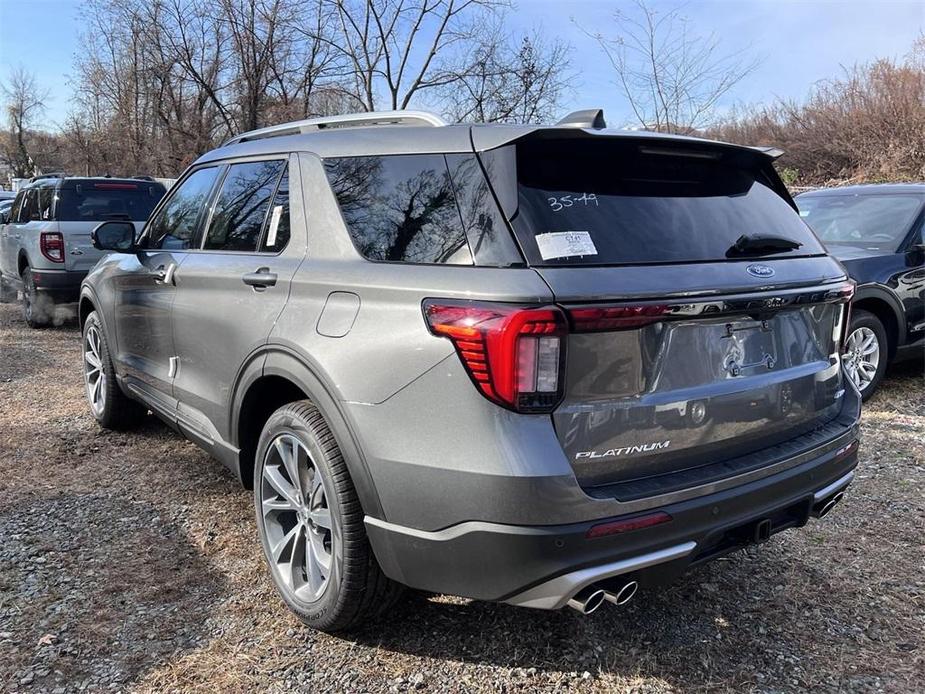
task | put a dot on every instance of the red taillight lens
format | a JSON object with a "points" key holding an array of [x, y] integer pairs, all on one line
{"points": [[600, 318], [514, 354], [51, 244], [625, 525]]}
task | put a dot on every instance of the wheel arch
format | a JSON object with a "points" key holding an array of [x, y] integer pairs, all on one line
{"points": [[284, 377], [886, 308]]}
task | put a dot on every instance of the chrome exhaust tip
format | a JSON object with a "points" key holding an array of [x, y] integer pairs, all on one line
{"points": [[587, 599], [624, 594], [823, 507]]}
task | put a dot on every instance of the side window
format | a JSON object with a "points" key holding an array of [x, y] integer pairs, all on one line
{"points": [[277, 235], [46, 198], [176, 223], [242, 206], [16, 210], [400, 208], [29, 210]]}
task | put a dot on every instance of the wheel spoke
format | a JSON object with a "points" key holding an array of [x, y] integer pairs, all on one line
{"points": [[97, 388], [92, 360], [279, 483], [280, 547], [297, 562], [285, 448], [869, 344], [321, 555], [277, 506]]}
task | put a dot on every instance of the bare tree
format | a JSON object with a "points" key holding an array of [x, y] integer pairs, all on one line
{"points": [[398, 49], [511, 80], [672, 79], [25, 105]]}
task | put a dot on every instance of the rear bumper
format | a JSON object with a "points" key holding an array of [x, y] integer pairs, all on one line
{"points": [[543, 566], [61, 285]]}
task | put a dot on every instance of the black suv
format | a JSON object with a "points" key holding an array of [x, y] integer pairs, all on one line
{"points": [[876, 231]]}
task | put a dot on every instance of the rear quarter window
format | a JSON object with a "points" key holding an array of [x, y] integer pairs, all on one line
{"points": [[582, 202], [400, 208]]}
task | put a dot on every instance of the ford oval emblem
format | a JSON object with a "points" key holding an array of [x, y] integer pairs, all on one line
{"points": [[760, 271]]}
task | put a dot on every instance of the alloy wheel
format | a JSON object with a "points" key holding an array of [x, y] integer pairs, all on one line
{"points": [[302, 538], [94, 374], [862, 356]]}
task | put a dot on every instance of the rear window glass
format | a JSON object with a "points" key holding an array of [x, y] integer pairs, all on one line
{"points": [[92, 201], [875, 222], [400, 208], [609, 203]]}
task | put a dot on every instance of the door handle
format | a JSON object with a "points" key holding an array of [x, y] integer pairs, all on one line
{"points": [[260, 279], [164, 274]]}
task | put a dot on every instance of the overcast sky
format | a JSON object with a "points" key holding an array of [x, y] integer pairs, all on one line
{"points": [[799, 42]]}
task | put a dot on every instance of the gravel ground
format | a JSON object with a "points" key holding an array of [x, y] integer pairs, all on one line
{"points": [[130, 562]]}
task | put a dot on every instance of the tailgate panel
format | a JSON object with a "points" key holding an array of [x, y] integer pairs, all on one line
{"points": [[687, 392]]}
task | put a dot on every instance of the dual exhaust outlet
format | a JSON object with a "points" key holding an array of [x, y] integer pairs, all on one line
{"points": [[617, 591]]}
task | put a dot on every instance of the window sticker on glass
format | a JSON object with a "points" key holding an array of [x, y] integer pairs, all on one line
{"points": [[565, 244], [274, 225]]}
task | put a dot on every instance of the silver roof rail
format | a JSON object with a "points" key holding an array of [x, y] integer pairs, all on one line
{"points": [[348, 120]]}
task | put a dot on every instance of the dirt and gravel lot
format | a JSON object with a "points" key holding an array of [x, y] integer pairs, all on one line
{"points": [[130, 562]]}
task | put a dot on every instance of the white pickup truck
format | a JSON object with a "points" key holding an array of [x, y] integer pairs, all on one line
{"points": [[45, 248]]}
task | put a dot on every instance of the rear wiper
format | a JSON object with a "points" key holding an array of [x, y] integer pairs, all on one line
{"points": [[761, 244]]}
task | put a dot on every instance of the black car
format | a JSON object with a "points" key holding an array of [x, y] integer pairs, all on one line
{"points": [[876, 232]]}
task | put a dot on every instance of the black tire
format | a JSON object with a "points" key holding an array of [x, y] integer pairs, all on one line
{"points": [[861, 319], [37, 308], [118, 411], [356, 590], [7, 291]]}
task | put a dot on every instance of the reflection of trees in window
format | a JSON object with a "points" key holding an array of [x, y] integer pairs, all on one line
{"points": [[177, 221], [243, 205], [400, 208]]}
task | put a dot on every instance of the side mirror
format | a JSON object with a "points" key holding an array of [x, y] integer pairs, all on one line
{"points": [[114, 236], [5, 217]]}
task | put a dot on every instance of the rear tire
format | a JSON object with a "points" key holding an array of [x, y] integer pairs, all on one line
{"points": [[37, 308], [866, 352], [312, 529], [112, 408]]}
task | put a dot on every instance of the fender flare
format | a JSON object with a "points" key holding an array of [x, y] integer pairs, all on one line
{"points": [[284, 362], [880, 293]]}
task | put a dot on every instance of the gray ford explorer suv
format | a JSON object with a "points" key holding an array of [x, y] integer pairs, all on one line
{"points": [[542, 365], [45, 249]]}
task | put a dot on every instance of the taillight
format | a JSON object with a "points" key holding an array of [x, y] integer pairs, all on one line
{"points": [[601, 318], [51, 244], [514, 354]]}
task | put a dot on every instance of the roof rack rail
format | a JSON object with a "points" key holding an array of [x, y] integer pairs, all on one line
{"points": [[349, 120], [54, 174]]}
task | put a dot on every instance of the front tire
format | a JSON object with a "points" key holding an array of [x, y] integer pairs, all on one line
{"points": [[108, 404], [311, 524], [866, 352]]}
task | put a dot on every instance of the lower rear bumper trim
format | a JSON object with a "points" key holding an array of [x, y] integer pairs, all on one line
{"points": [[554, 594]]}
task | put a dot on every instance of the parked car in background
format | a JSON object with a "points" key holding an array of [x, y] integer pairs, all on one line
{"points": [[6, 195], [532, 364], [5, 206], [876, 231], [45, 248]]}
